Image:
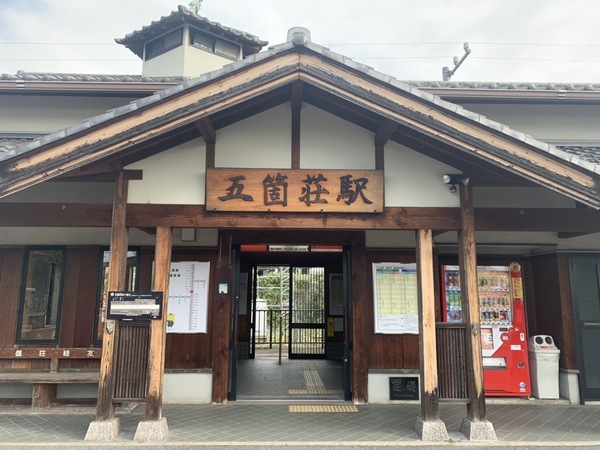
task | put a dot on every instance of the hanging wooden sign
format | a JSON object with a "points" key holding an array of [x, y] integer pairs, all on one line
{"points": [[301, 190]]}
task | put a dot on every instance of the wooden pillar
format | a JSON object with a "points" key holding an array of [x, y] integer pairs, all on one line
{"points": [[429, 426], [427, 342], [297, 89], [361, 327], [106, 426], [222, 321], [117, 271], [467, 257], [158, 330]]}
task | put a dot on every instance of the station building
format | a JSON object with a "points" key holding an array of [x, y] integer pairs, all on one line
{"points": [[226, 162]]}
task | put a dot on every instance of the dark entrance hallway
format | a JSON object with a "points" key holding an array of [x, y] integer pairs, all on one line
{"points": [[290, 327]]}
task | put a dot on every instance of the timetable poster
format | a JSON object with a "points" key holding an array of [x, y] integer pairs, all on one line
{"points": [[396, 299], [188, 297]]}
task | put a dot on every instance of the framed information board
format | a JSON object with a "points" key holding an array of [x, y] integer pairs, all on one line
{"points": [[188, 297], [126, 305], [395, 297]]}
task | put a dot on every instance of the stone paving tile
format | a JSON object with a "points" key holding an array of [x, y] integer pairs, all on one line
{"points": [[260, 421], [274, 423]]}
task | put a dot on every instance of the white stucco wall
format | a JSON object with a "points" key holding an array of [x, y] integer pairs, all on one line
{"points": [[47, 114], [558, 122], [175, 176], [412, 179], [328, 142]]}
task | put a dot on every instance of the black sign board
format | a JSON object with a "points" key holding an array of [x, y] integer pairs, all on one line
{"points": [[404, 388], [134, 305]]}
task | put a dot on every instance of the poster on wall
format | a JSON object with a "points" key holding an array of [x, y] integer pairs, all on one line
{"points": [[396, 303], [188, 297], [336, 294]]}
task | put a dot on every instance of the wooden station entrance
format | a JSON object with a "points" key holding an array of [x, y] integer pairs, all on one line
{"points": [[297, 146], [291, 307]]}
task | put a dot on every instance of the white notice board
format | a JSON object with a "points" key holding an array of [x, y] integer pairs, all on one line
{"points": [[188, 297], [396, 303]]}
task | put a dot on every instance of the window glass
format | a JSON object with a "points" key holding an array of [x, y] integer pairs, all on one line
{"points": [[203, 41], [227, 50], [42, 295], [131, 279], [164, 44]]}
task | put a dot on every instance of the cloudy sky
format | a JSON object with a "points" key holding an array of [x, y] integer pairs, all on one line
{"points": [[511, 40]]}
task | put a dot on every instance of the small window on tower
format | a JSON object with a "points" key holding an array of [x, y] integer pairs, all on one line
{"points": [[203, 41], [163, 44], [227, 50]]}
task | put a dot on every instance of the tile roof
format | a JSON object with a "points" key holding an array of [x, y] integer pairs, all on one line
{"points": [[581, 159], [21, 75], [494, 85], [424, 85], [135, 41]]}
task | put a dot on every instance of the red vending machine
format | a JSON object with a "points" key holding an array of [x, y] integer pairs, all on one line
{"points": [[503, 327]]}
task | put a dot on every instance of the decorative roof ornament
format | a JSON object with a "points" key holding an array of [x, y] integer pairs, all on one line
{"points": [[195, 6]]}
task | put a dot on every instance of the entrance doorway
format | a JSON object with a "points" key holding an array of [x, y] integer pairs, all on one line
{"points": [[291, 336], [585, 287]]}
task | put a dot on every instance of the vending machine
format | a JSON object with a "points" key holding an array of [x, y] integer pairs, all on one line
{"points": [[503, 326]]}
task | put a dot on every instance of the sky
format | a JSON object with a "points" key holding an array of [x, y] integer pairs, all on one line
{"points": [[510, 40]]}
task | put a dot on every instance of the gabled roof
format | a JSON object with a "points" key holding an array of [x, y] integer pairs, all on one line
{"points": [[333, 82], [135, 41]]}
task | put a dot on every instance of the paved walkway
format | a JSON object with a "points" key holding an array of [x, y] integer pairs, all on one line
{"points": [[265, 424], [300, 403]]}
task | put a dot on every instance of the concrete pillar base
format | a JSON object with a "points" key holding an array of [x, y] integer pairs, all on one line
{"points": [[431, 430], [103, 430], [478, 431], [152, 430]]}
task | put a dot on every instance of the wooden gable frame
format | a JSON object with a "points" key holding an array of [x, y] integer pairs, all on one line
{"points": [[417, 119]]}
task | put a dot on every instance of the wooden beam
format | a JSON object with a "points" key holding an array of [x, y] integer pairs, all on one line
{"points": [[467, 258], [105, 409], [100, 176], [297, 88], [427, 338], [386, 131], [359, 303], [156, 355], [564, 220], [210, 138], [206, 129], [222, 318]]}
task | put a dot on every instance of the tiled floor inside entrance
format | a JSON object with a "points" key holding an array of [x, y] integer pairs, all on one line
{"points": [[269, 378]]}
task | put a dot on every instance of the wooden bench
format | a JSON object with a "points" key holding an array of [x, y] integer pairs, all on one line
{"points": [[45, 382]]}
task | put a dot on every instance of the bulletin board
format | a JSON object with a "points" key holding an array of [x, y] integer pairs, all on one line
{"points": [[395, 296], [188, 297]]}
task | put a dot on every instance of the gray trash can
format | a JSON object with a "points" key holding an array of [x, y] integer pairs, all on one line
{"points": [[543, 366]]}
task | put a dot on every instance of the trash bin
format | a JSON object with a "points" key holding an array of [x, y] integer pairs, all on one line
{"points": [[543, 366]]}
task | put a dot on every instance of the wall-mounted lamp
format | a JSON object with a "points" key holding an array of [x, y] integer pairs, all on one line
{"points": [[453, 180]]}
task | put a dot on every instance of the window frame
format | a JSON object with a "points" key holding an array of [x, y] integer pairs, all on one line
{"points": [[216, 41], [97, 335], [22, 296], [148, 45]]}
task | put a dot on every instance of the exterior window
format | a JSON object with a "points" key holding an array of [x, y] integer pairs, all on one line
{"points": [[219, 47], [41, 295], [203, 41], [227, 50], [164, 44], [131, 282]]}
